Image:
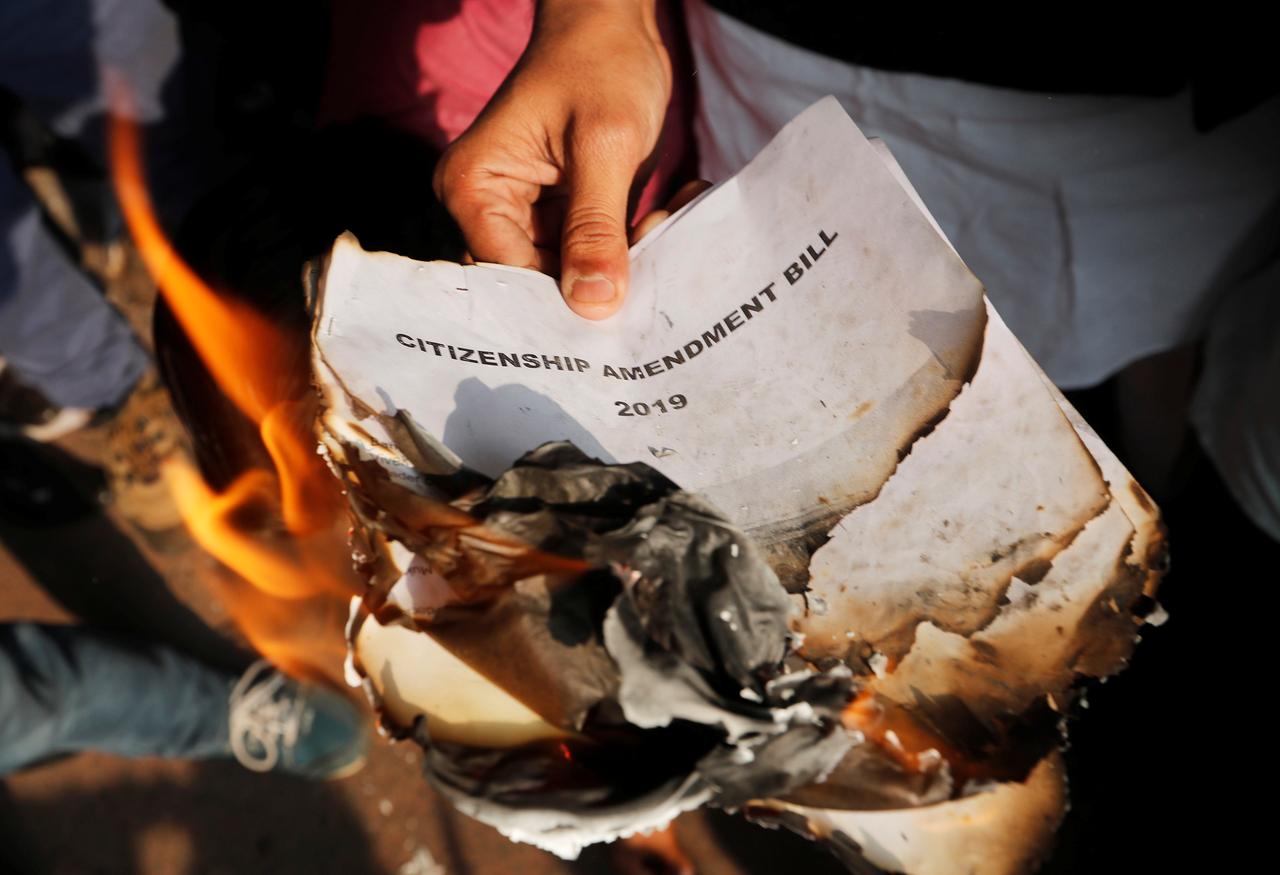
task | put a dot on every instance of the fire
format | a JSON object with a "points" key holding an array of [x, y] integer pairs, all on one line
{"points": [[910, 745], [275, 529]]}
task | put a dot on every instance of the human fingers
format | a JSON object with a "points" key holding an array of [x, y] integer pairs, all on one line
{"points": [[493, 210], [648, 223], [686, 193], [593, 247]]}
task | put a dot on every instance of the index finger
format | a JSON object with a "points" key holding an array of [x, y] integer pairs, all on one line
{"points": [[496, 226]]}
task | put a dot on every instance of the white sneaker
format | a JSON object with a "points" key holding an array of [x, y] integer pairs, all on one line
{"points": [[278, 724]]}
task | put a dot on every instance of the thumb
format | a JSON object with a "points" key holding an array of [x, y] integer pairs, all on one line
{"points": [[593, 244]]}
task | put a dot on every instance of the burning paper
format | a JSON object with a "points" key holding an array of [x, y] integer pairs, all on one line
{"points": [[801, 531]]}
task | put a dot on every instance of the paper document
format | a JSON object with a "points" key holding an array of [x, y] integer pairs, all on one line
{"points": [[803, 348], [785, 338]]}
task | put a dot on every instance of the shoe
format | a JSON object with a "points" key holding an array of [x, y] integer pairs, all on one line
{"points": [[280, 725], [44, 487], [25, 411]]}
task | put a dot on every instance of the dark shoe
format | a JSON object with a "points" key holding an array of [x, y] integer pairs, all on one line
{"points": [[25, 411], [41, 486]]}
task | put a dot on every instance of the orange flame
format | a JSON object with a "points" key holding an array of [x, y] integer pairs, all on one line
{"points": [[273, 528], [906, 742]]}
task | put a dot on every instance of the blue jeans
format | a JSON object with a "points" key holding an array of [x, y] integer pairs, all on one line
{"points": [[72, 688], [57, 331]]}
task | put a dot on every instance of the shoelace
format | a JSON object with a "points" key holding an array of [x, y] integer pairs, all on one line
{"points": [[261, 722]]}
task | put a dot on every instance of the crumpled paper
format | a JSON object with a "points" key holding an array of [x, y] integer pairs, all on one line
{"points": [[629, 614], [959, 550]]}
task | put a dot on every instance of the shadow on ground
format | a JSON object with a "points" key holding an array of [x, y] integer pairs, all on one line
{"points": [[53, 525], [208, 818]]}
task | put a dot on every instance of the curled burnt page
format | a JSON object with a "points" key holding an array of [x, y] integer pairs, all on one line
{"points": [[801, 532], [634, 647]]}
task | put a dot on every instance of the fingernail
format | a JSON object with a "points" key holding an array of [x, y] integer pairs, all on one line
{"points": [[592, 290]]}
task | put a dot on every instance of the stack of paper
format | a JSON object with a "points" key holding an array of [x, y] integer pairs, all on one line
{"points": [[802, 348]]}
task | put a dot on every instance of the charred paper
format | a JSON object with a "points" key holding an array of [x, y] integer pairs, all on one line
{"points": [[801, 532]]}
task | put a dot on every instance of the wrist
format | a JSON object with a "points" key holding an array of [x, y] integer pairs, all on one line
{"points": [[556, 14]]}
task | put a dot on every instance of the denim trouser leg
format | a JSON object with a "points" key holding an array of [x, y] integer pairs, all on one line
{"points": [[71, 688], [57, 331]]}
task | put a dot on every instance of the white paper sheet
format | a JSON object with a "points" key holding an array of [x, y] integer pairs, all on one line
{"points": [[785, 338], [803, 347]]}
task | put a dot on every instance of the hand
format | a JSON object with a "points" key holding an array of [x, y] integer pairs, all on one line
{"points": [[651, 220], [542, 178]]}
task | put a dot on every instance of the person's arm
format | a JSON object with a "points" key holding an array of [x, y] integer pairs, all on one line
{"points": [[542, 178]]}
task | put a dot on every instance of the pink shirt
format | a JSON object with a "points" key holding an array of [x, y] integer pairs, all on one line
{"points": [[430, 66]]}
